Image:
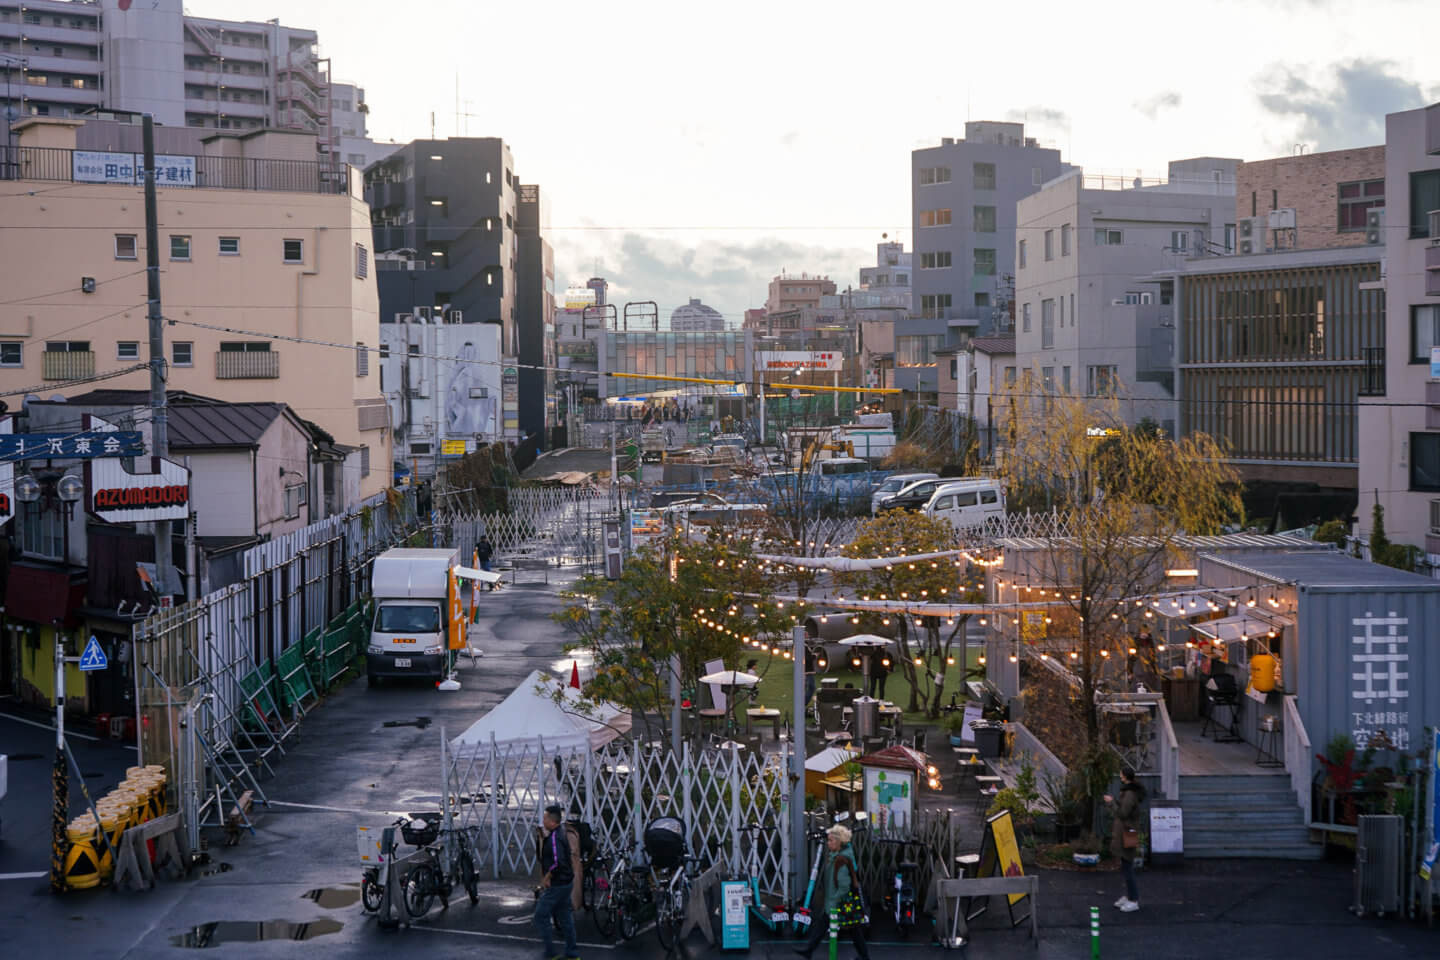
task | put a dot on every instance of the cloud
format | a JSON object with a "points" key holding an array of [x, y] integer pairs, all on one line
{"points": [[790, 139], [1151, 106], [1347, 109], [1040, 116]]}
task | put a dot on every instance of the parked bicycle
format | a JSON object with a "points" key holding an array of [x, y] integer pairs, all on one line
{"points": [[623, 899], [441, 862]]}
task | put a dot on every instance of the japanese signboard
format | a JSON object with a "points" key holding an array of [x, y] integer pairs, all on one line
{"points": [[7, 474], [510, 397], [1379, 693], [800, 360], [98, 166], [71, 446], [645, 526], [118, 496], [452, 448]]}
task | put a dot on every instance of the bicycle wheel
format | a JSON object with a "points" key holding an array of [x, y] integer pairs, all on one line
{"points": [[371, 893], [627, 917], [420, 887], [469, 876], [667, 924], [603, 913]]}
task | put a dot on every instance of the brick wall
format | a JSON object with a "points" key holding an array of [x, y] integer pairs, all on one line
{"points": [[1309, 183]]}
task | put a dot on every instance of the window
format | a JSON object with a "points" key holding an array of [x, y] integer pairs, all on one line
{"points": [[12, 354], [938, 260], [365, 460], [1072, 309], [362, 262], [295, 498], [934, 305], [902, 279], [1047, 324], [67, 346], [1047, 378], [1229, 238], [1179, 241], [127, 350], [179, 247], [1065, 378], [245, 346], [1424, 197], [43, 534], [1049, 244], [229, 246], [1009, 376], [417, 447], [989, 496], [293, 251], [984, 219], [1102, 380], [1372, 371], [1025, 318], [1065, 240], [1108, 238], [935, 218], [1062, 311], [182, 353], [125, 247], [984, 262], [982, 299], [1020, 256], [1425, 461], [362, 360], [1037, 177], [384, 351], [917, 350], [929, 175], [984, 176], [1424, 332]]}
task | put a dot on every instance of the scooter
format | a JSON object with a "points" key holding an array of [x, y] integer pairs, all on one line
{"points": [[803, 917]]}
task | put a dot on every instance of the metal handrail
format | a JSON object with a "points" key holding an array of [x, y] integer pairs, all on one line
{"points": [[1298, 759], [1169, 755]]}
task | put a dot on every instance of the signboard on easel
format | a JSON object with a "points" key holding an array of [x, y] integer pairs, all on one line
{"points": [[1000, 855], [1167, 834]]}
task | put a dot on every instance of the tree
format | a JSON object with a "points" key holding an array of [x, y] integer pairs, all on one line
{"points": [[926, 639], [1126, 499], [716, 600], [1382, 550]]}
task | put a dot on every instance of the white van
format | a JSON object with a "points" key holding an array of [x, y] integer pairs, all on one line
{"points": [[892, 486], [967, 503]]}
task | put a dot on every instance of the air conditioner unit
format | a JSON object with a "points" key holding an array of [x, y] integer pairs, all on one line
{"points": [[1118, 302], [1434, 217], [1251, 232], [1375, 225], [457, 316], [424, 314], [403, 318], [1282, 219]]}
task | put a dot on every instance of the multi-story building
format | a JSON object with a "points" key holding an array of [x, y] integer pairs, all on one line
{"points": [[534, 315], [963, 195], [444, 229], [788, 292], [985, 371], [1277, 340], [241, 268], [67, 57], [1084, 324], [891, 273], [350, 123], [696, 317], [1400, 434]]}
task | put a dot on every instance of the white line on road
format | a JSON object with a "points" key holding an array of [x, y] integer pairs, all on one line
{"points": [[24, 876], [316, 806], [51, 728], [509, 936]]}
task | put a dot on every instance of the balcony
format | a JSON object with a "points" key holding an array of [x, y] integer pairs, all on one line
{"points": [[1432, 270], [245, 365], [68, 365]]}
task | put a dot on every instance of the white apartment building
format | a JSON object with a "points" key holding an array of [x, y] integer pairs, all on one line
{"points": [[61, 58], [349, 118], [1085, 324], [1400, 431]]}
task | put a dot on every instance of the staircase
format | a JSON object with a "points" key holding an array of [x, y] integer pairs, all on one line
{"points": [[1244, 816]]}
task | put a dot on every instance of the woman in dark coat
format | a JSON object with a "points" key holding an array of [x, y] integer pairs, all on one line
{"points": [[1125, 814]]}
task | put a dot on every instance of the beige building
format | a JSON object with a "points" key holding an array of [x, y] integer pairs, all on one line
{"points": [[789, 292], [267, 245]]}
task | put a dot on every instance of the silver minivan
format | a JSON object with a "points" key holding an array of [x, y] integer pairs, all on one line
{"points": [[967, 503], [892, 486]]}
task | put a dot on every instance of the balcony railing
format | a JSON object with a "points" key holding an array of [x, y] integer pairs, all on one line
{"points": [[68, 365], [214, 173], [245, 365], [1372, 374]]}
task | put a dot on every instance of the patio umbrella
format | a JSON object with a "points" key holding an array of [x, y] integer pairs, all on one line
{"points": [[866, 642], [730, 679]]}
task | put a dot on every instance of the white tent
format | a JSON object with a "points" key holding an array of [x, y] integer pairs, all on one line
{"points": [[531, 716]]}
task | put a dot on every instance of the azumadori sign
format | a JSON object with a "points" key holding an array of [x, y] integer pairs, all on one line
{"points": [[827, 360], [118, 496]]}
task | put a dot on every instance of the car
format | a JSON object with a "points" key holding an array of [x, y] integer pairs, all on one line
{"points": [[912, 496], [892, 486], [967, 503]]}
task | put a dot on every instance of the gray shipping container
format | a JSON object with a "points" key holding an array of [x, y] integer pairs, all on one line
{"points": [[1364, 656]]}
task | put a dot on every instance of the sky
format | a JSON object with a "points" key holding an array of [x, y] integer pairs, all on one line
{"points": [[694, 150]]}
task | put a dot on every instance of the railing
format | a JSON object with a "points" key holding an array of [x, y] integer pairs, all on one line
{"points": [[68, 365], [1169, 755], [1298, 758], [1372, 374], [245, 365], [213, 173]]}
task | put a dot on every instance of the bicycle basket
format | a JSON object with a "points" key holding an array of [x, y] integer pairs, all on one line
{"points": [[421, 829], [665, 842]]}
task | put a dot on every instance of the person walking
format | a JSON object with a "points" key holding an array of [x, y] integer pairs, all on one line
{"points": [[843, 899], [879, 670], [553, 905], [484, 550], [1125, 834]]}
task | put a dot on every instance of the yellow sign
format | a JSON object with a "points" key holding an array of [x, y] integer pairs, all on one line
{"points": [[1032, 626], [457, 613], [453, 448], [1000, 853]]}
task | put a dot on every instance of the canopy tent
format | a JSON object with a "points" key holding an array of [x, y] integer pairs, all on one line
{"points": [[1241, 626], [531, 716], [822, 765]]}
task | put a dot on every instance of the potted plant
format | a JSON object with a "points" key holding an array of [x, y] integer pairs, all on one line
{"points": [[1066, 797], [954, 724], [1087, 850], [1021, 799], [1341, 776]]}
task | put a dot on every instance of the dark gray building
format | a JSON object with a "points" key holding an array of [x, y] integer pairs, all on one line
{"points": [[535, 315]]}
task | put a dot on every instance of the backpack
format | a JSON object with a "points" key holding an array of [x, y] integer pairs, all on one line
{"points": [[587, 837]]}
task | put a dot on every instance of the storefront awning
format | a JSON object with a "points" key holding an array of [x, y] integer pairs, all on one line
{"points": [[1241, 626], [1195, 603], [43, 596]]}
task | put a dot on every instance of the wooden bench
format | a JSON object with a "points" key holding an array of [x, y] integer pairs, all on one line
{"points": [[238, 818], [133, 869]]}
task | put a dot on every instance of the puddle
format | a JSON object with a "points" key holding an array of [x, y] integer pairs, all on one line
{"points": [[253, 931], [334, 898], [419, 722]]}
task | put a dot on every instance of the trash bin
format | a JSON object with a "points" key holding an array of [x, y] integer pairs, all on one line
{"points": [[989, 736], [866, 716]]}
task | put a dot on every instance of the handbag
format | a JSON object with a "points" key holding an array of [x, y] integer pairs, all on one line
{"points": [[851, 911], [1129, 838]]}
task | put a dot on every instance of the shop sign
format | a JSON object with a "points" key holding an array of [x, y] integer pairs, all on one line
{"points": [[801, 360], [645, 526], [118, 496], [7, 474], [452, 448], [100, 166], [84, 445], [1380, 700], [1435, 363]]}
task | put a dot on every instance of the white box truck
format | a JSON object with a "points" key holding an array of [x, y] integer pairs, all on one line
{"points": [[409, 636]]}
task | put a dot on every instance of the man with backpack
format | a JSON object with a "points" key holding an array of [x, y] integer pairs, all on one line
{"points": [[556, 885], [844, 901]]}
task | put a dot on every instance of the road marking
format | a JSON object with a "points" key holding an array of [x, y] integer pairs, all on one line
{"points": [[68, 733], [508, 936], [24, 876], [316, 806]]}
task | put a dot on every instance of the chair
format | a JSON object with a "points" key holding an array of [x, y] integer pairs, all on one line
{"points": [[1130, 741], [1222, 691]]}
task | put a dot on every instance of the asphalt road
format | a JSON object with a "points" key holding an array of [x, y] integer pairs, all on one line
{"points": [[348, 768]]}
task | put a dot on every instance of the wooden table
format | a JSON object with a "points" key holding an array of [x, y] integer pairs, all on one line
{"points": [[762, 714]]}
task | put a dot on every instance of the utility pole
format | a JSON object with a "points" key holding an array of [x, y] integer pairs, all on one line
{"points": [[159, 416]]}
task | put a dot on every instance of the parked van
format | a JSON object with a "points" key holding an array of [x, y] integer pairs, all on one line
{"points": [[967, 503], [409, 636], [892, 485]]}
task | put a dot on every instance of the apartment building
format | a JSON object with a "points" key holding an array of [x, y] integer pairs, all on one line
{"points": [[1400, 434], [63, 58], [536, 401], [350, 123], [1085, 325], [696, 317], [258, 240], [788, 292]]}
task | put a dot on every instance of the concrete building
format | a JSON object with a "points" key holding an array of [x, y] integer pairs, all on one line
{"points": [[1331, 194], [350, 127], [151, 57], [985, 370], [963, 195], [444, 384], [1400, 435], [444, 230], [1084, 324], [788, 292], [290, 260], [534, 315], [892, 270], [696, 317]]}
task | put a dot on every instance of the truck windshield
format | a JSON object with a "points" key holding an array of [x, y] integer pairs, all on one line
{"points": [[407, 618]]}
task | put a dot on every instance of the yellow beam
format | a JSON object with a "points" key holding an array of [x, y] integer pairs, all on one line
{"points": [[734, 383]]}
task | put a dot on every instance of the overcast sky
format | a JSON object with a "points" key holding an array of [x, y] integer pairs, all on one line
{"points": [[694, 150]]}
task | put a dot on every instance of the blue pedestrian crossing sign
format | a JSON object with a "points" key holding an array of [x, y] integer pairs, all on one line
{"points": [[93, 658]]}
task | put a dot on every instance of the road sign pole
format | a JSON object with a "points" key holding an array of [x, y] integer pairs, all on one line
{"points": [[59, 783]]}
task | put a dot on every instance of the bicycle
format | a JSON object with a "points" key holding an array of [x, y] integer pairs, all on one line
{"points": [[672, 900], [435, 869], [625, 899], [900, 897]]}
